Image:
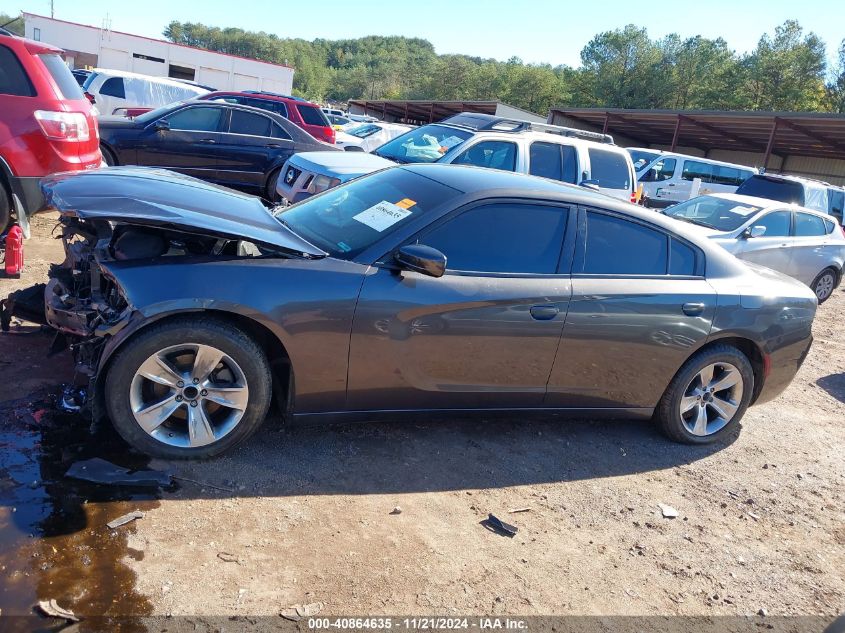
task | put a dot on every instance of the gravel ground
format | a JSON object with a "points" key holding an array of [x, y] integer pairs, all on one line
{"points": [[311, 513]]}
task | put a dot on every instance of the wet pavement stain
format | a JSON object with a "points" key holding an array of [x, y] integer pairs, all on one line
{"points": [[54, 542]]}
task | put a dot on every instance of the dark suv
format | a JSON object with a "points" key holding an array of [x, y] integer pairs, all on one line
{"points": [[46, 125], [813, 194], [303, 113]]}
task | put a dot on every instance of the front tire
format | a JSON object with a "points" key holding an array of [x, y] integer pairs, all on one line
{"points": [[707, 397], [824, 284], [188, 388], [271, 193]]}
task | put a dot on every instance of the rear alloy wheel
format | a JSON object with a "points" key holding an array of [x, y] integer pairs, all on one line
{"points": [[824, 284], [188, 388], [708, 396]]}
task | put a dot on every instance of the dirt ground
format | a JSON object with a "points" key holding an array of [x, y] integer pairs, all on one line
{"points": [[305, 515]]}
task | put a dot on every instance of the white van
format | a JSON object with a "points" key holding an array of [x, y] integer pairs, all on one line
{"points": [[116, 89], [667, 177]]}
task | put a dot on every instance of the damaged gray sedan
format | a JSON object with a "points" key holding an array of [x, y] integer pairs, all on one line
{"points": [[192, 309]]}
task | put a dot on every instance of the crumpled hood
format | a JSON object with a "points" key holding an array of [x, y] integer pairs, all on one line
{"points": [[158, 197], [342, 165]]}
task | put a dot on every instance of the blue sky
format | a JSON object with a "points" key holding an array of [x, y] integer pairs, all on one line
{"points": [[535, 30]]}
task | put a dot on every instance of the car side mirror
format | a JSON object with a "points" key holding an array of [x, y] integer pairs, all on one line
{"points": [[421, 259], [161, 125], [590, 184], [754, 231]]}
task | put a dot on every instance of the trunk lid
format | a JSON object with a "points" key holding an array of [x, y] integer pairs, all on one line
{"points": [[158, 197]]}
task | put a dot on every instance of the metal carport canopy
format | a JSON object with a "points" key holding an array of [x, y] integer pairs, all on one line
{"points": [[781, 133]]}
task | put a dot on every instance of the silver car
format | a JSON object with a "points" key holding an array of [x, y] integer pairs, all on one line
{"points": [[802, 243]]}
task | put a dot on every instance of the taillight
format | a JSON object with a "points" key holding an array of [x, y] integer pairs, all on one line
{"points": [[90, 97], [634, 197], [63, 126], [331, 134]]}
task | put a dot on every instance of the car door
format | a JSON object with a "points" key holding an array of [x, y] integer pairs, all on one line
{"points": [[485, 334], [250, 144], [811, 246], [640, 306], [185, 141], [773, 248]]}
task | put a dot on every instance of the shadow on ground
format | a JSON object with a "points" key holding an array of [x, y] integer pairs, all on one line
{"points": [[834, 384]]}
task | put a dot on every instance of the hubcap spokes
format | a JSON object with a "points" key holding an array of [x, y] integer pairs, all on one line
{"points": [[188, 395], [711, 399], [824, 287]]}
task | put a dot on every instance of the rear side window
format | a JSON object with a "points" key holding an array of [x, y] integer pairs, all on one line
{"points": [[13, 78], [312, 115], [502, 238], [807, 225], [618, 247], [729, 176], [553, 160], [610, 169], [249, 123], [195, 119], [113, 87], [279, 132], [265, 104], [66, 82], [681, 258], [694, 169], [774, 189]]}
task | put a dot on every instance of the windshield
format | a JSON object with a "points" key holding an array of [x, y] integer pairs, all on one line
{"points": [[348, 219], [641, 158], [363, 131], [423, 145], [714, 213], [152, 115]]}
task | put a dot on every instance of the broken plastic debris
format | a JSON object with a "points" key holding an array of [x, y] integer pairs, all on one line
{"points": [[51, 608], [669, 512], [126, 518], [228, 558], [515, 510], [495, 524], [299, 611], [100, 471], [72, 398]]}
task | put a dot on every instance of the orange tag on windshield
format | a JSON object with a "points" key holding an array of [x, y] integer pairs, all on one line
{"points": [[407, 203]]}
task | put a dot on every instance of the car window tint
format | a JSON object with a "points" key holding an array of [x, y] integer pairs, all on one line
{"points": [[312, 115], [249, 123], [681, 258], [195, 119], [694, 169], [776, 223], [761, 186], [279, 132], [570, 164], [617, 246], [829, 225], [65, 81], [610, 169], [662, 170], [113, 87], [491, 154], [727, 176], [836, 203], [545, 160], [807, 225], [502, 238], [13, 77]]}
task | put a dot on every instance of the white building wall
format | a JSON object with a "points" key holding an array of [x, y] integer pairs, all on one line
{"points": [[116, 51]]}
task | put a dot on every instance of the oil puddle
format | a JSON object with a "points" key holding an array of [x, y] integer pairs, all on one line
{"points": [[54, 542]]}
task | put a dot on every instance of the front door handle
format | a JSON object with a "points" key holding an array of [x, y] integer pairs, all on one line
{"points": [[207, 141], [544, 313], [693, 308]]}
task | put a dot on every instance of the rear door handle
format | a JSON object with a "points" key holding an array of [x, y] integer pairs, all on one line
{"points": [[693, 309], [207, 141], [544, 313], [274, 146]]}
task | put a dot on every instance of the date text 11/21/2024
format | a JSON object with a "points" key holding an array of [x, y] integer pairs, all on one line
{"points": [[420, 623]]}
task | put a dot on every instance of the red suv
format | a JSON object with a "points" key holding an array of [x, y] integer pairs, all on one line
{"points": [[303, 113], [46, 125]]}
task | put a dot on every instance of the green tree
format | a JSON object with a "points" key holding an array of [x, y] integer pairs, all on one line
{"points": [[12, 24], [836, 87]]}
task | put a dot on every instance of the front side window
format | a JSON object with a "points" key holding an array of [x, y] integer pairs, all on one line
{"points": [[490, 154], [196, 119], [424, 144], [662, 170], [694, 169], [113, 87], [346, 220], [13, 78], [715, 213], [776, 223], [502, 238], [807, 225], [249, 123], [615, 246], [641, 158], [610, 169]]}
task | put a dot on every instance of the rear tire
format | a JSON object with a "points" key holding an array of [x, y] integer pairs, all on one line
{"points": [[108, 156], [201, 418], [707, 397], [824, 284], [5, 208]]}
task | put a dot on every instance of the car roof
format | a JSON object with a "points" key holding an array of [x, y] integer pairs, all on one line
{"points": [[260, 94], [764, 203], [798, 179]]}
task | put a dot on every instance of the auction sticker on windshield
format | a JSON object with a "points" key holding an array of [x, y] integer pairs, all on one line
{"points": [[382, 216]]}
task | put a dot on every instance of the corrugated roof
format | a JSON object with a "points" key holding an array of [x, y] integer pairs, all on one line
{"points": [[425, 110]]}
